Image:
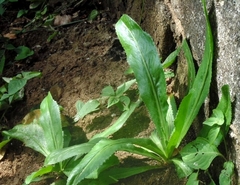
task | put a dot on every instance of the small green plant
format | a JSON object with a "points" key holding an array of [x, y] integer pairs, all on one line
{"points": [[13, 89], [22, 52], [94, 162], [118, 97]]}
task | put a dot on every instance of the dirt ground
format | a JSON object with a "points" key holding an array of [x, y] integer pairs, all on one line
{"points": [[76, 65]]}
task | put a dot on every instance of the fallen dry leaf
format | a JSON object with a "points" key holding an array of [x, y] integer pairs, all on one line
{"points": [[2, 152], [61, 20], [10, 36]]}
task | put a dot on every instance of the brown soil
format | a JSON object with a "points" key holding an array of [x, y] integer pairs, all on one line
{"points": [[77, 64]]}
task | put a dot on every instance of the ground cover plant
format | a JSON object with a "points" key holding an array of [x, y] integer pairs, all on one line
{"points": [[99, 165]]}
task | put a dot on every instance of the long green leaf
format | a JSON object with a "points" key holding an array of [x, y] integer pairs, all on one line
{"points": [[143, 58], [119, 123], [191, 104], [50, 121], [42, 171], [103, 150], [191, 68], [121, 173], [65, 153]]}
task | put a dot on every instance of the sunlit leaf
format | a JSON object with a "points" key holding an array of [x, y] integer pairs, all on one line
{"points": [[217, 118], [124, 87], [32, 135], [108, 91], [143, 58], [85, 108], [199, 154], [30, 74], [66, 153], [183, 170], [103, 150], [112, 101], [226, 173]]}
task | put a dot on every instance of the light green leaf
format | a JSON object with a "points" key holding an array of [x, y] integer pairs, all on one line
{"points": [[183, 170], [31, 74], [226, 173], [50, 121], [85, 108], [171, 113], [216, 119], [192, 179], [225, 106], [31, 135], [112, 101], [216, 133], [168, 74], [143, 58], [42, 171], [15, 85], [65, 153], [199, 154], [125, 101], [191, 104], [108, 91], [23, 52], [124, 87], [103, 150]]}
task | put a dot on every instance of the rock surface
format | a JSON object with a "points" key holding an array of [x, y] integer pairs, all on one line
{"points": [[224, 18]]}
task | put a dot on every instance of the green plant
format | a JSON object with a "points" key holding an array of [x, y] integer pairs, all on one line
{"points": [[171, 124], [94, 162], [118, 97], [22, 52], [13, 89]]}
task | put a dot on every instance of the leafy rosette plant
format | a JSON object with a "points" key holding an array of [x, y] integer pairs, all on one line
{"points": [[94, 162], [171, 123]]}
